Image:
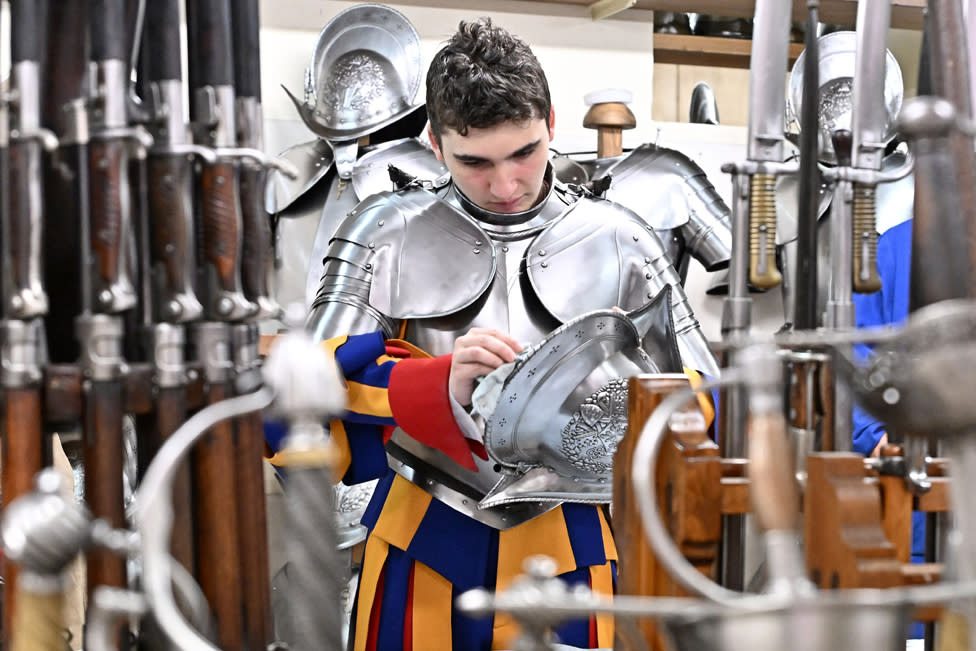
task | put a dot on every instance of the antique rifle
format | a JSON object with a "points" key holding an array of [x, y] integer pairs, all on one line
{"points": [[24, 299], [215, 458], [170, 301], [754, 228], [256, 268], [114, 146]]}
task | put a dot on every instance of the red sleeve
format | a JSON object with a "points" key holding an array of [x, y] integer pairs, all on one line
{"points": [[418, 394]]}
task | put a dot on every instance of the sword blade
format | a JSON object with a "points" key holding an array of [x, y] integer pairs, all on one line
{"points": [[869, 116], [767, 80]]}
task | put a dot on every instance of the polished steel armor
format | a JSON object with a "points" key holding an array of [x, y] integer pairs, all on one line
{"points": [[442, 265], [313, 160], [837, 63], [672, 194], [408, 155], [364, 74], [562, 410]]}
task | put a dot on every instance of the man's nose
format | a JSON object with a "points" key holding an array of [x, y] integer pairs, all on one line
{"points": [[503, 183]]}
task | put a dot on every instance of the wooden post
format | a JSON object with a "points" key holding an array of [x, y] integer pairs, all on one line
{"points": [[609, 119], [844, 537], [688, 484]]}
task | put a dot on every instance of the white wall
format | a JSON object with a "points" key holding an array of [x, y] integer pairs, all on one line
{"points": [[578, 54]]}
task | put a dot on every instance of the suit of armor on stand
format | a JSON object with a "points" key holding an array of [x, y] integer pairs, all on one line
{"points": [[686, 212]]}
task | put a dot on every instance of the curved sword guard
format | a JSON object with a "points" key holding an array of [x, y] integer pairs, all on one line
{"points": [[259, 157], [870, 177], [139, 139], [46, 137], [206, 154]]}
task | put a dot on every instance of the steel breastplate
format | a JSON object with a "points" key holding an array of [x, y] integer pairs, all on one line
{"points": [[508, 304]]}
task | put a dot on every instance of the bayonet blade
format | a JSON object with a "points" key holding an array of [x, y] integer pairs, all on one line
{"points": [[869, 115], [767, 80]]}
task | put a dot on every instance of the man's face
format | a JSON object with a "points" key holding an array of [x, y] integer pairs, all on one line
{"points": [[501, 168]]}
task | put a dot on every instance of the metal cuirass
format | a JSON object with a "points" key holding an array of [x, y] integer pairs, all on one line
{"points": [[428, 266]]}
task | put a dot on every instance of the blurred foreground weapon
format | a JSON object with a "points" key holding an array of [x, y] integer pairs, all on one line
{"points": [[24, 300], [114, 150], [754, 227], [256, 260], [169, 300], [214, 461]]}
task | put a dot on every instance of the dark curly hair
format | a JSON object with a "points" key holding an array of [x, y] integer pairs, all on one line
{"points": [[483, 77]]}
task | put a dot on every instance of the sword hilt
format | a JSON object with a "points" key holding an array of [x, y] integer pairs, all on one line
{"points": [[865, 240], [762, 232]]}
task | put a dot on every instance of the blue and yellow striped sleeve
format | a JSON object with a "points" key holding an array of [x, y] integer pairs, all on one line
{"points": [[358, 435]]}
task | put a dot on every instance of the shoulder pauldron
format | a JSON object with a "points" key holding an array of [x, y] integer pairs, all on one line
{"points": [[420, 256], [597, 256]]}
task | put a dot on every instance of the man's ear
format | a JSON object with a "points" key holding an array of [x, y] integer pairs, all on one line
{"points": [[552, 122], [434, 143]]}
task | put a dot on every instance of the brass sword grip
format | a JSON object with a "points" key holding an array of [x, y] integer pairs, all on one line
{"points": [[865, 240], [762, 232]]}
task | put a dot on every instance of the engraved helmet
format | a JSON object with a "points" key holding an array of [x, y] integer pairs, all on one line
{"points": [[350, 504], [364, 75], [562, 410], [837, 64]]}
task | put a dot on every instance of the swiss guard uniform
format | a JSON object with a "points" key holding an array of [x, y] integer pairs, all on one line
{"points": [[406, 274], [403, 275]]}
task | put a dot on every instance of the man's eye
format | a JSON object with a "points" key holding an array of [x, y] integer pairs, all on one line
{"points": [[525, 154], [473, 163]]}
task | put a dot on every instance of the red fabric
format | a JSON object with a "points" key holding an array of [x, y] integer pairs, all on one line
{"points": [[408, 616], [374, 615], [421, 407], [594, 639], [396, 351]]}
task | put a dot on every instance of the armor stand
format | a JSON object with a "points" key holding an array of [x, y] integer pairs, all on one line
{"points": [[609, 118], [688, 475]]}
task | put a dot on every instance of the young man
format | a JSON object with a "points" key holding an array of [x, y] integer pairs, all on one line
{"points": [[423, 292]]}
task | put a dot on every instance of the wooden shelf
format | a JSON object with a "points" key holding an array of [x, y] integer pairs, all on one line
{"points": [[905, 14], [709, 51]]}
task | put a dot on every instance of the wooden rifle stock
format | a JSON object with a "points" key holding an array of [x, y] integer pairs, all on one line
{"points": [[216, 527], [22, 454], [168, 414], [252, 533], [102, 414]]}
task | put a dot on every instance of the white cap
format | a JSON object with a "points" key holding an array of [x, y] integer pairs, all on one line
{"points": [[606, 95]]}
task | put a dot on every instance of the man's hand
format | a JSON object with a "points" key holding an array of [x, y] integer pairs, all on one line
{"points": [[478, 352]]}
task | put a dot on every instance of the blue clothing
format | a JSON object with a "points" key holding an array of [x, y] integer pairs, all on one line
{"points": [[887, 306]]}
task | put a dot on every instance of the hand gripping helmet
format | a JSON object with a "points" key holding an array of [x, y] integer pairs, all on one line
{"points": [[364, 74], [837, 56]]}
